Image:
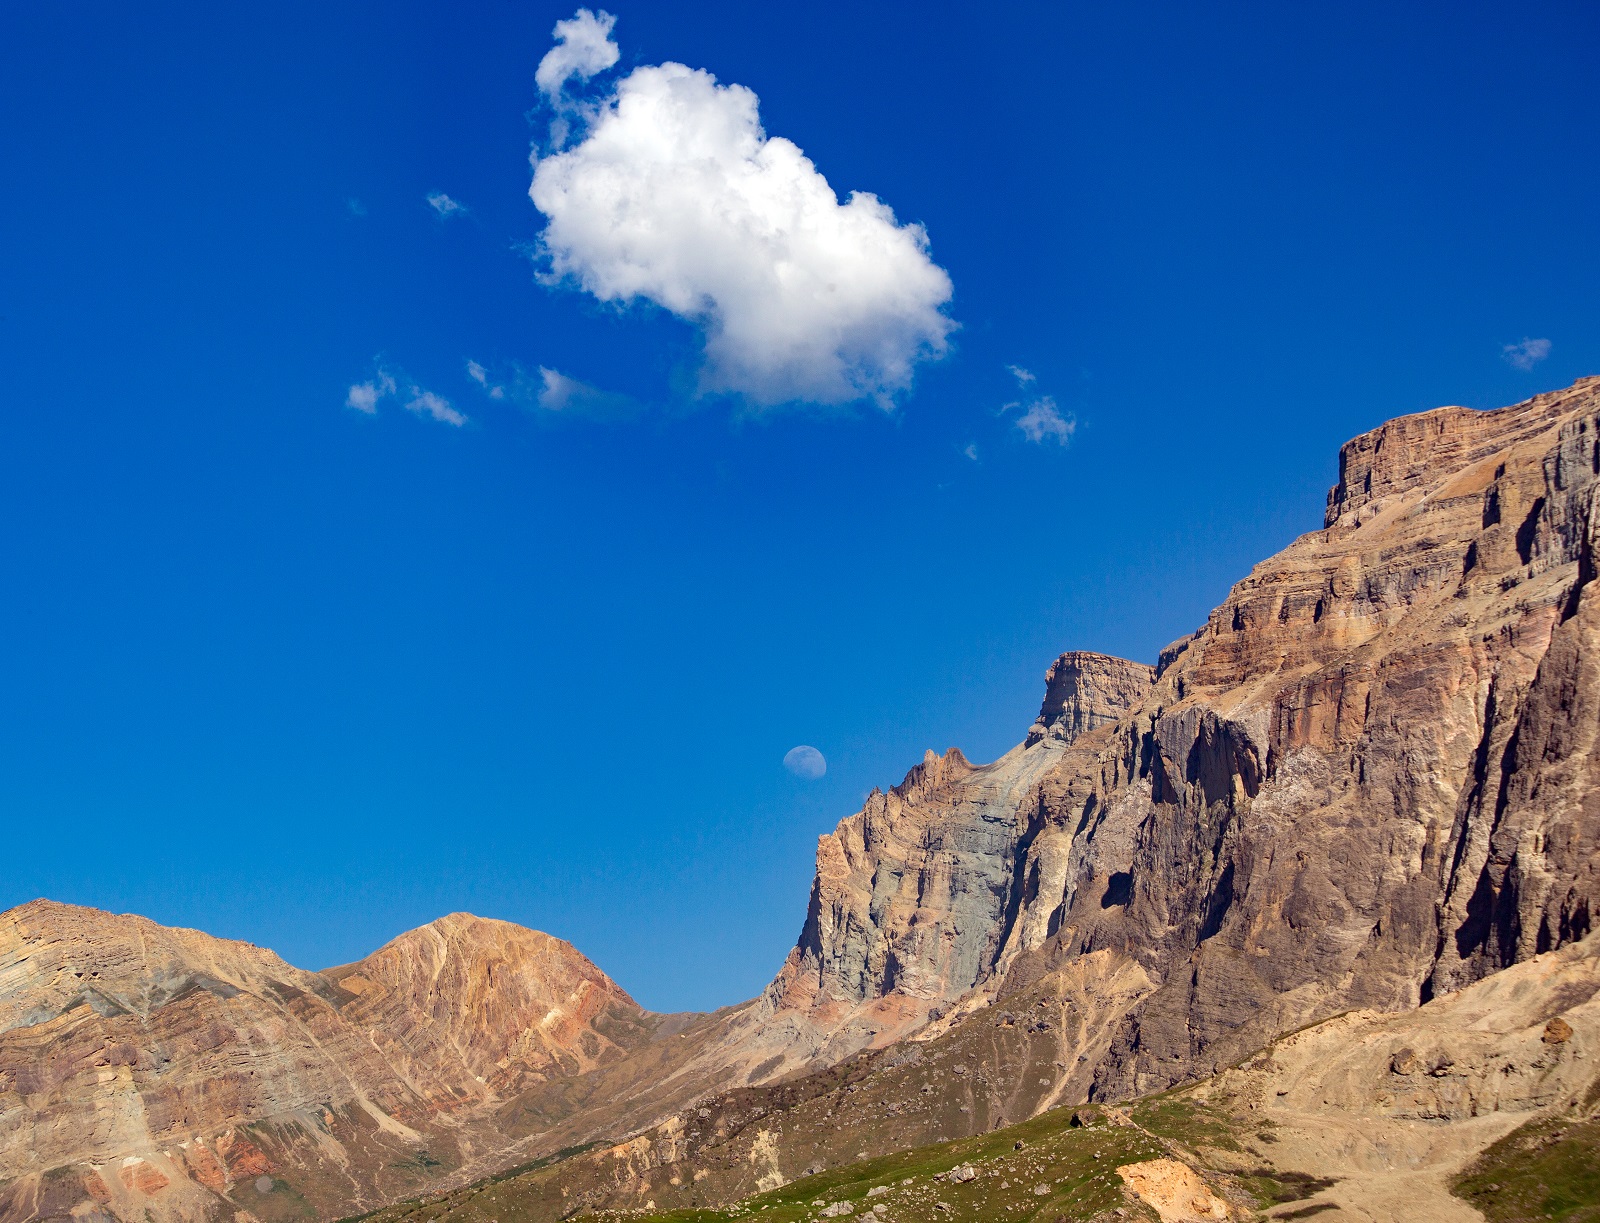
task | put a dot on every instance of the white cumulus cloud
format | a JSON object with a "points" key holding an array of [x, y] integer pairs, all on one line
{"points": [[1526, 354], [676, 195], [583, 48]]}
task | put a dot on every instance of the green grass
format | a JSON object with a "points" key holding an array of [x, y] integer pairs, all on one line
{"points": [[1544, 1170], [1071, 1153], [1075, 1163]]}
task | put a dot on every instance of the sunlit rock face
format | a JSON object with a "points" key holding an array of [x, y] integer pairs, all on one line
{"points": [[1084, 691], [1368, 779], [472, 1008], [915, 894], [143, 1067]]}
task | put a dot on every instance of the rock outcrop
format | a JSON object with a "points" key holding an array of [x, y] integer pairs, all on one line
{"points": [[1369, 779], [1386, 1110], [915, 894], [1084, 691]]}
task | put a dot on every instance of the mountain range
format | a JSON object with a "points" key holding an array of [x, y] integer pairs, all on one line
{"points": [[1366, 787]]}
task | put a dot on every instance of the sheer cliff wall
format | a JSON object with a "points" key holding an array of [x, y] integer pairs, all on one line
{"points": [[1368, 779]]}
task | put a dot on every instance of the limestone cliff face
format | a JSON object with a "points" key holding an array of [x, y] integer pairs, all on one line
{"points": [[1084, 691], [146, 1068], [1368, 779], [915, 894]]}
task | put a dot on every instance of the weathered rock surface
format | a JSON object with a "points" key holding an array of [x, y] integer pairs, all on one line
{"points": [[1389, 1108], [1370, 1114], [1369, 779], [915, 894], [1084, 691], [143, 1067], [467, 1008]]}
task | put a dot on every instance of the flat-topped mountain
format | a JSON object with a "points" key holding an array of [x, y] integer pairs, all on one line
{"points": [[1368, 781]]}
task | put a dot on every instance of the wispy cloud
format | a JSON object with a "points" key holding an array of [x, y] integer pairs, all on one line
{"points": [[384, 384], [1527, 353], [560, 393], [355, 207], [1040, 419], [426, 403], [550, 390], [971, 451], [481, 376], [364, 396], [444, 205], [675, 194]]}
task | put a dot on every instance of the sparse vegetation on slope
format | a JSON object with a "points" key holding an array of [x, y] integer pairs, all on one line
{"points": [[1548, 1169], [1061, 1165]]}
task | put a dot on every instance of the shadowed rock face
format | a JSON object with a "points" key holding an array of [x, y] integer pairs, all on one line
{"points": [[1367, 780]]}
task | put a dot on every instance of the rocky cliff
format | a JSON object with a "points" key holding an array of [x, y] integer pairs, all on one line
{"points": [[1367, 780]]}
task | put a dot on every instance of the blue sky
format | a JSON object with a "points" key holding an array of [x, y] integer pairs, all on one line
{"points": [[298, 673]]}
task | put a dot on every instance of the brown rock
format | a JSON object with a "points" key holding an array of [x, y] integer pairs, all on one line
{"points": [[1406, 1062], [1372, 777], [121, 1039], [1557, 1032]]}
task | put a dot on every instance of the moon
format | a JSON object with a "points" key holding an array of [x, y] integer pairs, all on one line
{"points": [[805, 762]]}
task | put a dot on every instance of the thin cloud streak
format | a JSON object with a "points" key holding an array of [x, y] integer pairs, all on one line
{"points": [[364, 397], [445, 206]]}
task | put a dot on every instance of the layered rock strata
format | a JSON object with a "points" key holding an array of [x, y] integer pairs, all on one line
{"points": [[147, 1068], [1367, 780], [1373, 1114]]}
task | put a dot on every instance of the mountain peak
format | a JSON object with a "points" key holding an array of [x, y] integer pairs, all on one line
{"points": [[1085, 690], [1425, 449]]}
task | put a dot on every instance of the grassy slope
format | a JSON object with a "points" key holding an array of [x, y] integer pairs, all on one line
{"points": [[1070, 1154], [1545, 1170]]}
